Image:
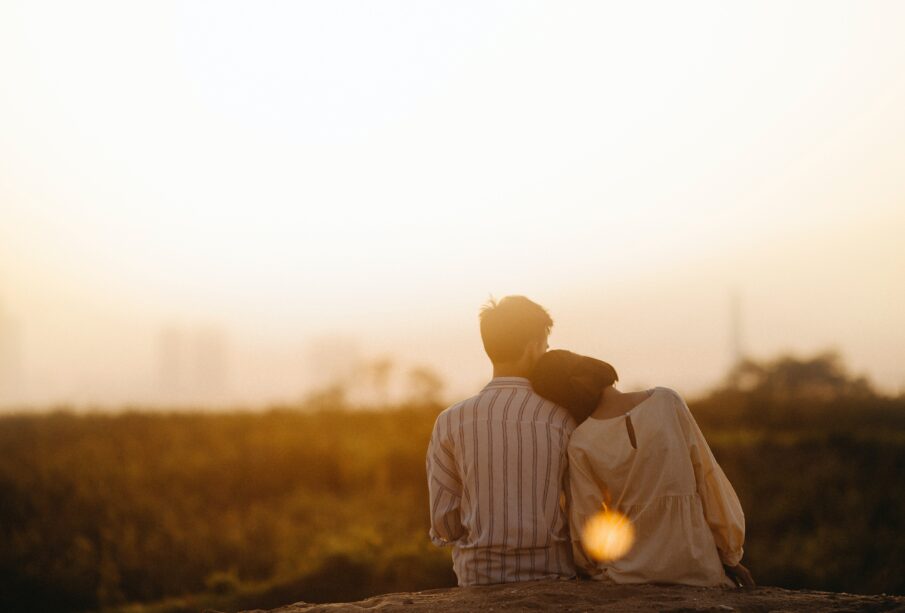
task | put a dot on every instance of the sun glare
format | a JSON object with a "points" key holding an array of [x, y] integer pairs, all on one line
{"points": [[608, 536]]}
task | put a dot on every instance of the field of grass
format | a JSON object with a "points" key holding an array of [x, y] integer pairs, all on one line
{"points": [[177, 511]]}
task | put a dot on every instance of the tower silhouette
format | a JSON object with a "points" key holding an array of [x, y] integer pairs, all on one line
{"points": [[736, 348]]}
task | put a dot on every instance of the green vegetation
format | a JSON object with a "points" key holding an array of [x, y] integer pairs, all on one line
{"points": [[178, 512]]}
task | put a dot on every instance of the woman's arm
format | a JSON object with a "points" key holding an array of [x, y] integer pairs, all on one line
{"points": [[586, 500], [722, 509]]}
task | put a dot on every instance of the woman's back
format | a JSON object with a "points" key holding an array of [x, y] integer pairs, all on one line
{"points": [[653, 465]]}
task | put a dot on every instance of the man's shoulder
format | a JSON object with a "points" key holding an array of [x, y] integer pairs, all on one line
{"points": [[451, 412], [539, 408], [456, 408], [551, 413]]}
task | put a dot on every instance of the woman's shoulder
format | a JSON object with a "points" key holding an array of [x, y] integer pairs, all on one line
{"points": [[671, 402], [668, 393], [673, 408]]}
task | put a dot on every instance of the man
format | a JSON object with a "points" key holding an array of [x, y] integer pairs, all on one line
{"points": [[497, 463]]}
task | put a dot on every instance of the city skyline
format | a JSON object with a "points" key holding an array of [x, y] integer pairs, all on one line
{"points": [[200, 365]]}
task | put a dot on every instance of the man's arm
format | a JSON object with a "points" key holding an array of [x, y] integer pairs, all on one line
{"points": [[445, 490]]}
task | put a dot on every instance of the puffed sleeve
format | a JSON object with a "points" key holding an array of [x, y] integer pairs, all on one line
{"points": [[444, 488], [722, 509], [586, 499]]}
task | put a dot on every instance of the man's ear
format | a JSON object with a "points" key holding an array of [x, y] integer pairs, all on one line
{"points": [[534, 349], [541, 346]]}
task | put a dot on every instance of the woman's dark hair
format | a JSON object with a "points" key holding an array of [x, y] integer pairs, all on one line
{"points": [[574, 382]]}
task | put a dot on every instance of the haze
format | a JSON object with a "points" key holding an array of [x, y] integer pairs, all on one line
{"points": [[283, 191]]}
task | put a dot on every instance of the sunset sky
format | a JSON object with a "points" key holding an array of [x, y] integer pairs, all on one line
{"points": [[315, 184]]}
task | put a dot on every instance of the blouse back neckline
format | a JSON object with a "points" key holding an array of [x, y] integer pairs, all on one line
{"points": [[651, 393]]}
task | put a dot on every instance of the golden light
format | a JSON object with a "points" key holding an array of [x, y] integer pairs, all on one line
{"points": [[608, 536]]}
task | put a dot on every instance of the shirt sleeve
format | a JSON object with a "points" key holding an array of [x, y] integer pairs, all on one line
{"points": [[445, 491], [565, 501], [722, 509], [585, 502]]}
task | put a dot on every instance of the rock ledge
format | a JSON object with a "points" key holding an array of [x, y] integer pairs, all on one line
{"points": [[577, 596]]}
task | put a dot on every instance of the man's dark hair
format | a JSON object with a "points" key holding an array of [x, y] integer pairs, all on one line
{"points": [[510, 325], [574, 382]]}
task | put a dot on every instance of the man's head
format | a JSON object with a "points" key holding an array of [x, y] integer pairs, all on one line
{"points": [[515, 331]]}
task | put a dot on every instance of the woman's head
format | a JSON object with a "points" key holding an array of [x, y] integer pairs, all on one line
{"points": [[574, 382]]}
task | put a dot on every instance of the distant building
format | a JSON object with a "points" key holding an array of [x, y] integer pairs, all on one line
{"points": [[736, 373], [192, 365], [170, 354], [209, 363]]}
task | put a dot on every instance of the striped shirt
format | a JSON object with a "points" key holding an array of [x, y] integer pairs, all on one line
{"points": [[498, 481]]}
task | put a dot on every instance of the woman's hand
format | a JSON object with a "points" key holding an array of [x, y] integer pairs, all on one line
{"points": [[741, 575]]}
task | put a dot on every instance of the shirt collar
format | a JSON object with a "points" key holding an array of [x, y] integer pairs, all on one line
{"points": [[502, 382]]}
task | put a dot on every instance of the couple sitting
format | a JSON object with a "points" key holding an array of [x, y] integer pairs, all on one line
{"points": [[516, 472]]}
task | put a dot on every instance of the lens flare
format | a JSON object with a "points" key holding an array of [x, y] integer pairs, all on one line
{"points": [[608, 536]]}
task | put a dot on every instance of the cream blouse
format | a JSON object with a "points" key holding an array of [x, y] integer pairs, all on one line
{"points": [[687, 518]]}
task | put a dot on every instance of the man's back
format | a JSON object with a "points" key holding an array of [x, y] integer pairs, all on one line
{"points": [[497, 474]]}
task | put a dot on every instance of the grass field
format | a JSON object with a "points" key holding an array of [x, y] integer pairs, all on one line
{"points": [[180, 511]]}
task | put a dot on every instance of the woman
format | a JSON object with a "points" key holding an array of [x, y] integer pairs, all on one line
{"points": [[642, 454]]}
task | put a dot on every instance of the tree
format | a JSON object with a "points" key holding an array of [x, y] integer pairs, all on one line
{"points": [[425, 386], [822, 377]]}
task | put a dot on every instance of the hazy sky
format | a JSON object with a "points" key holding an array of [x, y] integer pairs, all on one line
{"points": [[291, 174]]}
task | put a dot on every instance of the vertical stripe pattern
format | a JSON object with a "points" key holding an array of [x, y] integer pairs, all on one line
{"points": [[496, 464]]}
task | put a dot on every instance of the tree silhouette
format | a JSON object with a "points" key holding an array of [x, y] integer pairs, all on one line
{"points": [[821, 377], [425, 386]]}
